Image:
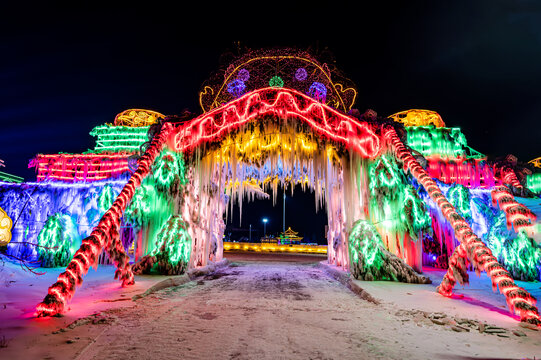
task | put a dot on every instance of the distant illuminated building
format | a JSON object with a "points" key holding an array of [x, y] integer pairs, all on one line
{"points": [[289, 237]]}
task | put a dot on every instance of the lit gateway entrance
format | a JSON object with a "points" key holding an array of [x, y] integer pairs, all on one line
{"points": [[271, 119]]}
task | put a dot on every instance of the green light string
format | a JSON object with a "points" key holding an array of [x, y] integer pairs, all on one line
{"points": [[391, 194], [118, 138], [414, 215], [169, 170], [459, 197], [173, 241], [442, 141], [58, 241], [276, 81], [533, 183], [365, 242], [106, 198], [521, 256]]}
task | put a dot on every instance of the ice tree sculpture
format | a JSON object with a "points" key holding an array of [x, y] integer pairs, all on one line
{"points": [[371, 261], [172, 251], [57, 241]]}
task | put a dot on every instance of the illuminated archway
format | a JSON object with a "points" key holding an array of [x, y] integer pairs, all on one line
{"points": [[340, 164]]}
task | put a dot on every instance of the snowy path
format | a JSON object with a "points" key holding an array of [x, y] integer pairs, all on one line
{"points": [[271, 310]]}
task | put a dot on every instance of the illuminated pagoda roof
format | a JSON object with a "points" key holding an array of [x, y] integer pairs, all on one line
{"points": [[291, 235]]}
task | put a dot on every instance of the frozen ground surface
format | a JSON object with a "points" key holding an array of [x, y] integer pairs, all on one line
{"points": [[270, 307]]}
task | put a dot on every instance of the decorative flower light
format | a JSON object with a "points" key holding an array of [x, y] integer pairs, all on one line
{"points": [[276, 81], [301, 74], [236, 88], [5, 228], [318, 91], [243, 75]]}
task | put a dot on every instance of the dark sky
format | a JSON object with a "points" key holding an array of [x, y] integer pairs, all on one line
{"points": [[67, 68]]}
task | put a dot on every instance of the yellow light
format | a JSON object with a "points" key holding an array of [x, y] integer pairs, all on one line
{"points": [[5, 228], [258, 247], [137, 118], [536, 162], [418, 117], [337, 87]]}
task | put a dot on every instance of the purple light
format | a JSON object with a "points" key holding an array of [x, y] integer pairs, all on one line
{"points": [[236, 88], [434, 257], [318, 91], [301, 74], [243, 75]]}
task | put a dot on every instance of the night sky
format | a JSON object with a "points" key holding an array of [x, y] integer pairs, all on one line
{"points": [[65, 69]]}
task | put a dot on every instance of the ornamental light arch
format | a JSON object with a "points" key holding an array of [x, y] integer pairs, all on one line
{"points": [[275, 117]]}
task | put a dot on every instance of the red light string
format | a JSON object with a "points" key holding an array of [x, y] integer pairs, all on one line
{"points": [[103, 237], [508, 176], [518, 216], [471, 248], [286, 103], [471, 173]]}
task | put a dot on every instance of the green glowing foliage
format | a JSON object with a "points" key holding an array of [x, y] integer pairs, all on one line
{"points": [[169, 171], [521, 257], [106, 198], [394, 203], [276, 81], [138, 211], [459, 197], [385, 178], [173, 247], [442, 142], [371, 261], [115, 139], [518, 253], [365, 245], [58, 241], [414, 215], [533, 183]]}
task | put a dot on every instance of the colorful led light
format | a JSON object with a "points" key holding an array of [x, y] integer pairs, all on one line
{"points": [[301, 74], [276, 81], [117, 139], [236, 88], [318, 91], [518, 299], [174, 241], [341, 96], [137, 118], [418, 117], [5, 228], [286, 104], [533, 183], [440, 142], [105, 235]]}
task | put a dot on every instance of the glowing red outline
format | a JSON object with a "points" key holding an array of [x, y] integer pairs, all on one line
{"points": [[285, 103]]}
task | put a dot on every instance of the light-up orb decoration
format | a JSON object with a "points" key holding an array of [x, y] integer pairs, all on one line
{"points": [[236, 88], [418, 117], [276, 81], [243, 75], [137, 118], [5, 228], [301, 74], [318, 91]]}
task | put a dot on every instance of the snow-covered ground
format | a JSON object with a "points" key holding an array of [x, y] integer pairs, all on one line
{"points": [[264, 309]]}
